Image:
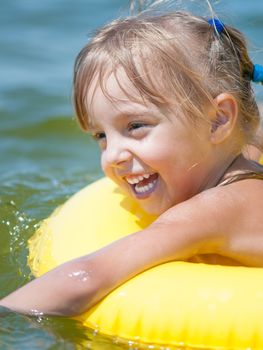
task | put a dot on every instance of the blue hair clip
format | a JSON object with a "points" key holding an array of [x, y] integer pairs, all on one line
{"points": [[217, 24], [257, 75]]}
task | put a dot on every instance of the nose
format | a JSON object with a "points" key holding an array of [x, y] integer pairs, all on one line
{"points": [[116, 153]]}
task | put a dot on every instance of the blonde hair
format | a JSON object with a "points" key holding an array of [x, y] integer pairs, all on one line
{"points": [[174, 58]]}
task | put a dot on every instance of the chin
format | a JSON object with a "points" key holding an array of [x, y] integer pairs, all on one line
{"points": [[152, 210]]}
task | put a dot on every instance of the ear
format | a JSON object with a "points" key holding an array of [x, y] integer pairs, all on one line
{"points": [[224, 117]]}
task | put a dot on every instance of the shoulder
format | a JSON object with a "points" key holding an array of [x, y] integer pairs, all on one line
{"points": [[225, 210], [223, 220]]}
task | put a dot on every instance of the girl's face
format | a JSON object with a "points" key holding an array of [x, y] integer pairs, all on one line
{"points": [[157, 159]]}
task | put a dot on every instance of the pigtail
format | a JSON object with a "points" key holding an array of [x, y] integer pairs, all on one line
{"points": [[248, 105], [232, 66]]}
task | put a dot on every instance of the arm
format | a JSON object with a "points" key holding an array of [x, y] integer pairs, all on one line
{"points": [[75, 286], [207, 223]]}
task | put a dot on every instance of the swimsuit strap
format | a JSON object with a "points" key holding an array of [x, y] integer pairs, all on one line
{"points": [[246, 174]]}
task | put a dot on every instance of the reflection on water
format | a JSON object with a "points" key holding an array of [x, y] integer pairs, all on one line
{"points": [[44, 157], [41, 333]]}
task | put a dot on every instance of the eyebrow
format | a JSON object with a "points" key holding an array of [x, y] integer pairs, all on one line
{"points": [[129, 115]]}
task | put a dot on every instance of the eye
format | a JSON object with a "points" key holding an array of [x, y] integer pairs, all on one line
{"points": [[137, 128], [135, 125], [98, 136]]}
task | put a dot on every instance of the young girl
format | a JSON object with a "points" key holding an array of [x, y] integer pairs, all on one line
{"points": [[168, 97]]}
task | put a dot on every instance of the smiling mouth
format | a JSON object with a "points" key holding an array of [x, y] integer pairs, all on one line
{"points": [[143, 185]]}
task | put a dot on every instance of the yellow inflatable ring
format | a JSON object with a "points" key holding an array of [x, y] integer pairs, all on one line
{"points": [[186, 305]]}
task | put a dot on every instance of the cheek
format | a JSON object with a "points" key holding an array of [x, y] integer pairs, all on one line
{"points": [[161, 157], [107, 169], [103, 164], [156, 149]]}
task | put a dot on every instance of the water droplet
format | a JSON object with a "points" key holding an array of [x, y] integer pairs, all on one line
{"points": [[81, 275]]}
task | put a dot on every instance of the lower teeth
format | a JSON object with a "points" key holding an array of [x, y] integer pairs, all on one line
{"points": [[145, 188]]}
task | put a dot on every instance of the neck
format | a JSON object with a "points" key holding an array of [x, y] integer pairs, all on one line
{"points": [[221, 171]]}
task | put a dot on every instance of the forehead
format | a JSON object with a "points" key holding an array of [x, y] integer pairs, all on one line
{"points": [[115, 94], [112, 85]]}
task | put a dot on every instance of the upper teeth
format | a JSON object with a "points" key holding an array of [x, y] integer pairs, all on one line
{"points": [[137, 179]]}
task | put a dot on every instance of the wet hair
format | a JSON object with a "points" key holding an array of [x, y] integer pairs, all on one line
{"points": [[172, 59]]}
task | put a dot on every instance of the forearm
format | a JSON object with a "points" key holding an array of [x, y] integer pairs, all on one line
{"points": [[77, 285], [66, 290]]}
